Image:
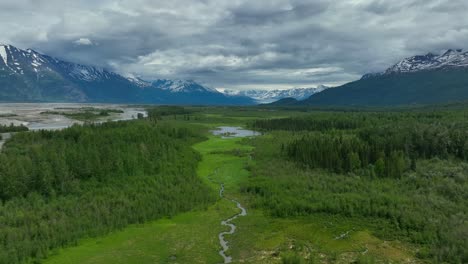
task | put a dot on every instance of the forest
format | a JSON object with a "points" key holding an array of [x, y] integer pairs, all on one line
{"points": [[84, 113], [58, 187], [407, 169], [12, 128], [402, 175]]}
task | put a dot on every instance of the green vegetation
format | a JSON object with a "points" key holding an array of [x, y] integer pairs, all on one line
{"points": [[319, 187], [417, 88], [158, 112], [408, 169], [84, 113], [8, 115], [186, 238], [84, 181], [12, 128]]}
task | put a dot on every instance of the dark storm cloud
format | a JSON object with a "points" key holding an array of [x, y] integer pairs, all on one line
{"points": [[237, 43]]}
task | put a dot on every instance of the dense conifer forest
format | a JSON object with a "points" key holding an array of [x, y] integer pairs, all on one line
{"points": [[406, 169], [12, 128], [402, 175], [58, 187]]}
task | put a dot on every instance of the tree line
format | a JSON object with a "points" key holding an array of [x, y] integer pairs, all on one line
{"points": [[12, 128], [387, 151], [57, 187], [406, 172]]}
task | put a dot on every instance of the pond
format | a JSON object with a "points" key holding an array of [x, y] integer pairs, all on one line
{"points": [[231, 132]]}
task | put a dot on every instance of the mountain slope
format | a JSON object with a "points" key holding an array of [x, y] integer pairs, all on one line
{"points": [[284, 102], [268, 96], [188, 92], [427, 87], [28, 76], [424, 79], [449, 59]]}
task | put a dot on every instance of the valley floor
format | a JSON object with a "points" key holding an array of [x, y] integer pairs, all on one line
{"points": [[193, 237]]}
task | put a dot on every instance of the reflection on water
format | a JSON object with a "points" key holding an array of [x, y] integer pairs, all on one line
{"points": [[229, 132]]}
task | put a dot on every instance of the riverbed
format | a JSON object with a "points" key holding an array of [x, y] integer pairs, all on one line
{"points": [[32, 115], [230, 132], [29, 114]]}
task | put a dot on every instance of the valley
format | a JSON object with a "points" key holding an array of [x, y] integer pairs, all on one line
{"points": [[249, 132], [281, 211]]}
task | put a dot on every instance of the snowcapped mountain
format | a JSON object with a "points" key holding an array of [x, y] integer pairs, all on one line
{"points": [[29, 76], [449, 59], [189, 92], [268, 96], [417, 80], [11, 59], [26, 75], [17, 61], [138, 81], [182, 86]]}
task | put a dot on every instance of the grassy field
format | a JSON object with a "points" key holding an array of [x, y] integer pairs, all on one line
{"points": [[314, 239], [193, 237], [187, 238]]}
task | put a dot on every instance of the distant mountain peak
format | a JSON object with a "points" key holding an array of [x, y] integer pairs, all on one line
{"points": [[138, 81], [27, 75], [182, 86], [452, 58], [421, 79], [268, 96]]}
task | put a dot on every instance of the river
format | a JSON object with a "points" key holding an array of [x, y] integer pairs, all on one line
{"points": [[29, 115], [230, 132]]}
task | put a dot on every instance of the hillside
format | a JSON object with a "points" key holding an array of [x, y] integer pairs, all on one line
{"points": [[425, 87], [28, 76], [416, 80], [269, 96]]}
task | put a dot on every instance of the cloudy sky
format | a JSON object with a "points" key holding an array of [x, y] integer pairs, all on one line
{"points": [[235, 43]]}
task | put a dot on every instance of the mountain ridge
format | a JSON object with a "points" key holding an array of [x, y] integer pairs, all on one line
{"points": [[451, 58], [416, 80], [29, 76], [269, 96]]}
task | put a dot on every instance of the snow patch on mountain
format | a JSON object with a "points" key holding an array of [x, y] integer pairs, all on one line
{"points": [[449, 59], [138, 81], [87, 73], [3, 54], [182, 86]]}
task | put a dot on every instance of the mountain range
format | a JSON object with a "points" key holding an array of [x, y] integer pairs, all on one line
{"points": [[28, 76], [417, 80], [269, 96]]}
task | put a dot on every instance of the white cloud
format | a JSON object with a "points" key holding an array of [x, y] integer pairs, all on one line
{"points": [[83, 41], [238, 43]]}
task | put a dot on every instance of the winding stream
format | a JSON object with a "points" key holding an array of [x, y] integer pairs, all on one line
{"points": [[227, 222], [230, 132]]}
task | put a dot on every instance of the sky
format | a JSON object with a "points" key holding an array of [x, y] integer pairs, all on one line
{"points": [[237, 44]]}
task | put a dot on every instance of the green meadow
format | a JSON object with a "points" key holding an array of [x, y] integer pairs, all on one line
{"points": [[192, 237], [185, 238]]}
